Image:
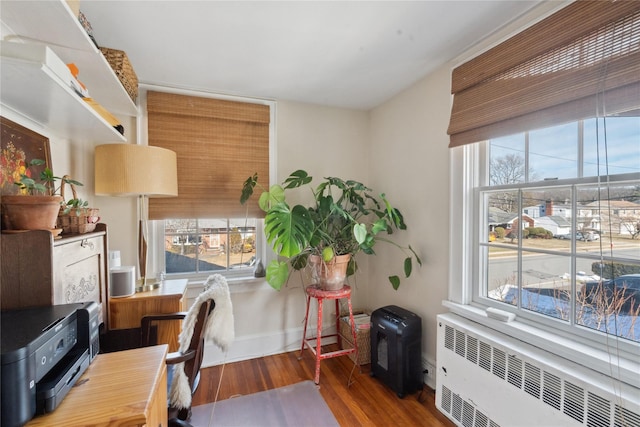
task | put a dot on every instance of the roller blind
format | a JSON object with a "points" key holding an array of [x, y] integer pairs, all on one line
{"points": [[219, 143], [583, 61]]}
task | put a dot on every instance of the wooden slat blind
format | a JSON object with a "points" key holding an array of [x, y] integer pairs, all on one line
{"points": [[219, 143], [580, 62]]}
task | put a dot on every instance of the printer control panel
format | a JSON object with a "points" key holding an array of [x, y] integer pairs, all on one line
{"points": [[48, 355]]}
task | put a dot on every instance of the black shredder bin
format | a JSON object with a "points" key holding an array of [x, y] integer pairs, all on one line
{"points": [[396, 349]]}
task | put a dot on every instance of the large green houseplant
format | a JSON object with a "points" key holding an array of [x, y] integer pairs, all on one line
{"points": [[344, 218]]}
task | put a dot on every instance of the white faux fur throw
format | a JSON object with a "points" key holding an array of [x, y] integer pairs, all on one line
{"points": [[219, 329]]}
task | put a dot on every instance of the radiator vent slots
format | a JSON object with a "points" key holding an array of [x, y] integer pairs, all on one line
{"points": [[552, 390], [573, 401], [625, 418], [533, 378], [463, 411], [599, 411]]}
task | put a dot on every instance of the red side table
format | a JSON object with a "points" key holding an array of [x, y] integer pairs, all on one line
{"points": [[314, 291]]}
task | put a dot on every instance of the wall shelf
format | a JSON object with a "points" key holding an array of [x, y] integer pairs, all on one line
{"points": [[32, 90]]}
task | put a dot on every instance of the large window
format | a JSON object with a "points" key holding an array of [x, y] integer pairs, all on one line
{"points": [[545, 180], [560, 228]]}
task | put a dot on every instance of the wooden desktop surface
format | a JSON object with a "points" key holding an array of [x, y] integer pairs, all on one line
{"points": [[125, 388]]}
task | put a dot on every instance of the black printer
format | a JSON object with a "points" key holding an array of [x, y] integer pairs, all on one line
{"points": [[44, 351]]}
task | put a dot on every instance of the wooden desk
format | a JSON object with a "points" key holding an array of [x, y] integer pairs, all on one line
{"points": [[125, 388], [170, 297]]}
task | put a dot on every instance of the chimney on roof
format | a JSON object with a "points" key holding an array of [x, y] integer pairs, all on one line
{"points": [[548, 207]]}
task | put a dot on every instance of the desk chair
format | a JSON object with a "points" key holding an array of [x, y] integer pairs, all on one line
{"points": [[192, 357], [202, 322]]}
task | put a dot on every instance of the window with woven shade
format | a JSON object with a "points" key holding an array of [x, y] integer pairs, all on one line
{"points": [[545, 145], [218, 143]]}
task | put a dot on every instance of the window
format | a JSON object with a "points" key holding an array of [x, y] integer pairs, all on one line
{"points": [[209, 245], [565, 240], [219, 143], [545, 180]]}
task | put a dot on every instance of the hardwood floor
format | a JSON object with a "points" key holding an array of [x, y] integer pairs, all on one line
{"points": [[367, 402]]}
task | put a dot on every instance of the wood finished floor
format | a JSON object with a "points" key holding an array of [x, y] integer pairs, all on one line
{"points": [[367, 402]]}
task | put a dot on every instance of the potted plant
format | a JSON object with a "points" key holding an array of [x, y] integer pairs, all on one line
{"points": [[343, 219], [37, 205], [75, 216]]}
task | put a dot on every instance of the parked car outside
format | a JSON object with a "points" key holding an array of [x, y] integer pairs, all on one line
{"points": [[621, 293], [588, 236]]}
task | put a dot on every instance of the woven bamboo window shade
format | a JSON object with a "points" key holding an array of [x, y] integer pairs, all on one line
{"points": [[583, 61], [219, 144]]}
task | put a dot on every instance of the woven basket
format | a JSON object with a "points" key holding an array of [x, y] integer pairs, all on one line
{"points": [[123, 69], [76, 220], [362, 335]]}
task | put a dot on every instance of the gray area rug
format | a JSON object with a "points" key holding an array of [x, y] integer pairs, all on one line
{"points": [[296, 405]]}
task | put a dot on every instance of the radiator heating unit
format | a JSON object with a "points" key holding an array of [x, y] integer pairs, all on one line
{"points": [[487, 379]]}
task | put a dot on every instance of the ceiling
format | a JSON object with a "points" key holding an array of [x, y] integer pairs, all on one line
{"points": [[352, 54]]}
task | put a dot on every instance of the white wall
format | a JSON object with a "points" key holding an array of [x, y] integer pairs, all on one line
{"points": [[410, 161]]}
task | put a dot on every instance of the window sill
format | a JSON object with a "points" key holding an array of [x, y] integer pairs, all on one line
{"points": [[613, 363], [236, 285]]}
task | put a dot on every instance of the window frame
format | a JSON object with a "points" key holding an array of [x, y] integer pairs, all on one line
{"points": [[468, 163], [156, 236], [157, 256]]}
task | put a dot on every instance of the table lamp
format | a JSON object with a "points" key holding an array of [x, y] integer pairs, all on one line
{"points": [[136, 170]]}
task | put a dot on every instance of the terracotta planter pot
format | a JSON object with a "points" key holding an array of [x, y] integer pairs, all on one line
{"points": [[30, 212], [330, 275]]}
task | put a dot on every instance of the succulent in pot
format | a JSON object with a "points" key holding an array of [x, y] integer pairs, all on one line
{"points": [[343, 219]]}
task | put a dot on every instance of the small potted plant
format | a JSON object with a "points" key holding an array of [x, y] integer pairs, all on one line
{"points": [[75, 216], [37, 205], [343, 219]]}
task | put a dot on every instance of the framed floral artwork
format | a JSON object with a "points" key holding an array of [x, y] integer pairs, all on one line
{"points": [[18, 147]]}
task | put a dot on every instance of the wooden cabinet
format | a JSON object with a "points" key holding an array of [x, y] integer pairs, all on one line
{"points": [[38, 270], [126, 388], [170, 297]]}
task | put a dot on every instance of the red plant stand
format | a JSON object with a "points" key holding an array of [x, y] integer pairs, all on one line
{"points": [[320, 295]]}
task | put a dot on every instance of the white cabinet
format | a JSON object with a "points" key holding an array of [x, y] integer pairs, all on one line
{"points": [[33, 90]]}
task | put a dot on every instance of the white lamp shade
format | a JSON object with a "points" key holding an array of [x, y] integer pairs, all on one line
{"points": [[133, 170]]}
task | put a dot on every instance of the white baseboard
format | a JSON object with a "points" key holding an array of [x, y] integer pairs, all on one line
{"points": [[253, 346]]}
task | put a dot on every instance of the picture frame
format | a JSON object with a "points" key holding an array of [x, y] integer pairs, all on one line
{"points": [[18, 146]]}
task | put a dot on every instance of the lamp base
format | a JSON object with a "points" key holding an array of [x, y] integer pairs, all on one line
{"points": [[141, 286]]}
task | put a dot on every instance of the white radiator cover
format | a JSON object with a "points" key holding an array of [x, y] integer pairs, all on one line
{"points": [[485, 378]]}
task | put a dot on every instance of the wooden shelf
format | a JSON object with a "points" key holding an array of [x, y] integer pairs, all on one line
{"points": [[31, 91]]}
